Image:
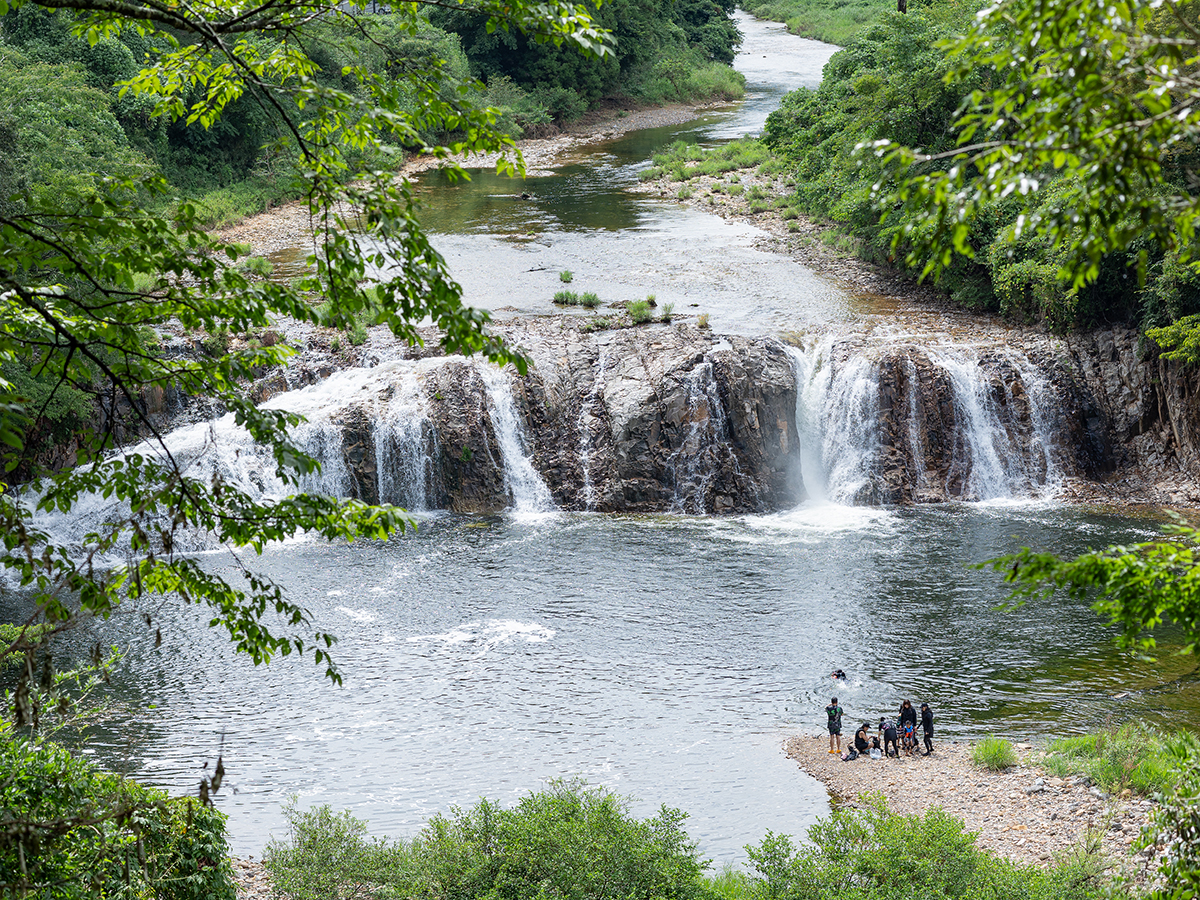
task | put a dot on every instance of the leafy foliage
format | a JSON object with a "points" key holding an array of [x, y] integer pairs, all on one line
{"points": [[1175, 821], [1096, 163], [663, 51], [872, 852], [904, 82], [88, 269], [1139, 587], [69, 830], [569, 840]]}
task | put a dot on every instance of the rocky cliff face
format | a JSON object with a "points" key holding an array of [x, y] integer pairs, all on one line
{"points": [[678, 419], [1145, 415], [614, 422]]}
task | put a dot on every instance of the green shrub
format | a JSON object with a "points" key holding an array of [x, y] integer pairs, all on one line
{"points": [[589, 299], [357, 334], [255, 265], [702, 321], [684, 193], [759, 206], [601, 323], [565, 276], [566, 298], [328, 855], [734, 189], [1135, 756], [872, 853], [639, 311], [568, 841], [667, 310], [95, 829], [994, 753], [217, 343]]}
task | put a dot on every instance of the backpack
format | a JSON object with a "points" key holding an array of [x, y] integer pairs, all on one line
{"points": [[852, 754]]}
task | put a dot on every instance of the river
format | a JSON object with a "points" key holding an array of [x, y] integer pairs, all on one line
{"points": [[664, 656]]}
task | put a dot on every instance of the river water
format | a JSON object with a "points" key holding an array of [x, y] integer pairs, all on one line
{"points": [[664, 656]]}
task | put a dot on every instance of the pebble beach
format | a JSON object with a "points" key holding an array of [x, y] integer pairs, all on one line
{"points": [[1023, 813]]}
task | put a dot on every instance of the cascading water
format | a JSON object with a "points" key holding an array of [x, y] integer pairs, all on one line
{"points": [[529, 491], [694, 461], [586, 417], [998, 454], [837, 419], [406, 446], [996, 441]]}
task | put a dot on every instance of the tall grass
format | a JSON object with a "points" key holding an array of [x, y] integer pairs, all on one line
{"points": [[994, 753], [222, 207], [1134, 756]]}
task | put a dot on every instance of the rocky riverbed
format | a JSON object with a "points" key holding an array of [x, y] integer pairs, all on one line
{"points": [[1022, 813]]}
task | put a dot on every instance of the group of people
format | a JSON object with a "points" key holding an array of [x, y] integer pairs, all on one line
{"points": [[894, 737]]}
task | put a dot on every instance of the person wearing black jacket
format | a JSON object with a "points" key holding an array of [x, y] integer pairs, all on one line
{"points": [[908, 714], [887, 730], [927, 727]]}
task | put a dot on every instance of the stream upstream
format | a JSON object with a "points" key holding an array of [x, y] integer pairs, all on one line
{"points": [[666, 657]]}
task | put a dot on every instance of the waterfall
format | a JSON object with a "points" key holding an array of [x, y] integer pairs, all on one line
{"points": [[406, 447], [529, 491], [962, 423], [596, 396], [837, 420], [999, 454]]}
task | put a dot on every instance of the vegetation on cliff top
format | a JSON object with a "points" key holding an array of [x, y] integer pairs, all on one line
{"points": [[1082, 248]]}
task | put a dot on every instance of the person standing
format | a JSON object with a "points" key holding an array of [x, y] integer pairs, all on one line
{"points": [[835, 725], [927, 727], [908, 714], [887, 730]]}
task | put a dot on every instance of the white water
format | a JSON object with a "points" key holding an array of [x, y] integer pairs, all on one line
{"points": [[406, 446], [529, 491], [837, 419], [586, 418]]}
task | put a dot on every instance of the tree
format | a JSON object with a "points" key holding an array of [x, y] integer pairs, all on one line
{"points": [[88, 270], [1105, 95], [1104, 99], [96, 254]]}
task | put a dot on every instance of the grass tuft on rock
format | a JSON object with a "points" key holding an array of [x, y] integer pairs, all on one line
{"points": [[994, 753]]}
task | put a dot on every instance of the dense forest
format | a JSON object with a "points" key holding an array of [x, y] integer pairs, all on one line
{"points": [[65, 116], [890, 83]]}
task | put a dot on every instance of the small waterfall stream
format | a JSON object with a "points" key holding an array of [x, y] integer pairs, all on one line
{"points": [[529, 491], [406, 447]]}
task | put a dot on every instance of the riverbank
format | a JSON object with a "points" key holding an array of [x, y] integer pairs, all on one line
{"points": [[1022, 813], [290, 225]]}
